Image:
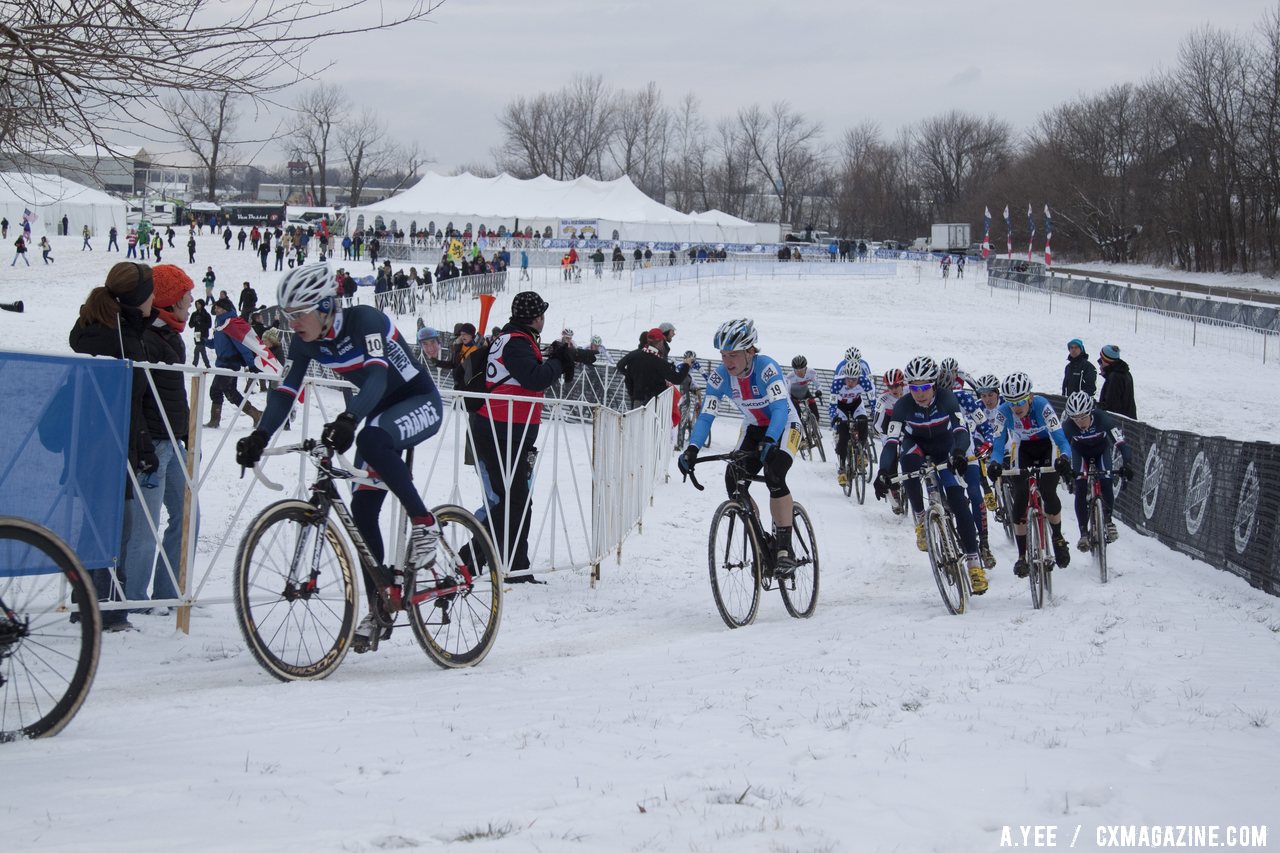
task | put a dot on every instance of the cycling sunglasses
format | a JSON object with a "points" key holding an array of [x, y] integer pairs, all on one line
{"points": [[297, 313], [918, 388], [1018, 401]]}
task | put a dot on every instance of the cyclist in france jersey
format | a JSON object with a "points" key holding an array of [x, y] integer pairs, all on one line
{"points": [[975, 484], [770, 431], [1093, 435], [928, 424], [802, 384], [397, 401], [1031, 420]]}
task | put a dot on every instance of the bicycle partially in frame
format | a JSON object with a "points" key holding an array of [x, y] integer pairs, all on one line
{"points": [[50, 631], [295, 581], [946, 556], [741, 556], [1096, 513], [1040, 560]]}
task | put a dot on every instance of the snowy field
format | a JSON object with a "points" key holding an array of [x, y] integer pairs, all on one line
{"points": [[629, 718]]}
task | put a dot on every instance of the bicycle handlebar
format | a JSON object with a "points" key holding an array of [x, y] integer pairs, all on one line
{"points": [[321, 456], [733, 458], [1035, 469]]}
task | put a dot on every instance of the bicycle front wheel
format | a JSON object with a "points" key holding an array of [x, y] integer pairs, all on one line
{"points": [[1098, 537], [295, 592], [816, 433], [456, 623], [1004, 511], [861, 473], [50, 631], [944, 559], [800, 589], [849, 473], [734, 558], [1037, 555]]}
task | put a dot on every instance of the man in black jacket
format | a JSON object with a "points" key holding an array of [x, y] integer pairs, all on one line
{"points": [[646, 373], [201, 322], [248, 301], [504, 431], [1117, 383], [1080, 374]]}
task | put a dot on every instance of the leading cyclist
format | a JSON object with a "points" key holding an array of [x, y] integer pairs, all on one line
{"points": [[755, 384], [397, 400]]}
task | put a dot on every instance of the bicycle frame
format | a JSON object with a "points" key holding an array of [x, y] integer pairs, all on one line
{"points": [[743, 497]]}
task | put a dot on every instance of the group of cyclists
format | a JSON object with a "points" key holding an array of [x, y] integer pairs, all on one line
{"points": [[971, 428]]}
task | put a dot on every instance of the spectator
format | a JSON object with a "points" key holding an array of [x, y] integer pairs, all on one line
{"points": [[429, 342], [66, 227], [646, 372], [668, 335], [20, 246], [45, 250], [131, 240], [87, 235], [248, 300], [1117, 383], [191, 249], [201, 322], [241, 236], [209, 279], [235, 345], [111, 239], [1080, 374], [504, 431], [226, 237]]}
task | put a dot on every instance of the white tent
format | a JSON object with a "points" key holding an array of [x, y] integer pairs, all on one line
{"points": [[51, 197], [582, 207]]}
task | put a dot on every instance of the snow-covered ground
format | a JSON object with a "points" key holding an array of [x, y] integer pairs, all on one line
{"points": [[627, 717]]}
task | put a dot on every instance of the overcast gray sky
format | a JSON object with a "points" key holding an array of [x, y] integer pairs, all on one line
{"points": [[445, 81]]}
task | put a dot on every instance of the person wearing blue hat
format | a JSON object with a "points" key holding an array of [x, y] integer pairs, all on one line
{"points": [[1080, 374], [429, 341]]}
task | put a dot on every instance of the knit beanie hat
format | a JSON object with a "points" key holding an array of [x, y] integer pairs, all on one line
{"points": [[1075, 342], [528, 305], [1111, 352], [171, 284]]}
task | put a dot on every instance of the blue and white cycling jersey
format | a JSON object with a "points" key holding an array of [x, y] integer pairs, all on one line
{"points": [[868, 390], [762, 397], [1040, 424]]}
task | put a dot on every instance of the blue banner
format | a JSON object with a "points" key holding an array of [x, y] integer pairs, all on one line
{"points": [[63, 453]]}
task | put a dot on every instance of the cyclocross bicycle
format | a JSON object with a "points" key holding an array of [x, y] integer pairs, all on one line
{"points": [[690, 407], [1097, 520], [812, 433], [1039, 544], [295, 587], [946, 557], [50, 631], [741, 554]]}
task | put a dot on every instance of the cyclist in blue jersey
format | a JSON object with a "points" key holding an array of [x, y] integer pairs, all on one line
{"points": [[770, 429], [975, 416], [397, 401], [1093, 435], [928, 423], [1031, 421]]}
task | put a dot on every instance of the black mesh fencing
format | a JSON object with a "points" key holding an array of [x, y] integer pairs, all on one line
{"points": [[1212, 498]]}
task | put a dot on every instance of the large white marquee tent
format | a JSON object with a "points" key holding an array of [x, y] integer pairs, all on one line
{"points": [[51, 197], [568, 208]]}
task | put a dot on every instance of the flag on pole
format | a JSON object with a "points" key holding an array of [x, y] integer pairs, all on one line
{"points": [[1008, 232], [986, 232], [1048, 237], [1031, 229]]}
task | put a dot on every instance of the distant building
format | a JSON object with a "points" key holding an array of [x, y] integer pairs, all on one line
{"points": [[126, 171]]}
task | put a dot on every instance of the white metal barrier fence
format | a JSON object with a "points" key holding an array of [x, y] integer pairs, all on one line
{"points": [[596, 469], [658, 276]]}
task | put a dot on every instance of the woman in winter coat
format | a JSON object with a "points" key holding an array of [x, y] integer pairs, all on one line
{"points": [[116, 321], [1080, 374], [1117, 384]]}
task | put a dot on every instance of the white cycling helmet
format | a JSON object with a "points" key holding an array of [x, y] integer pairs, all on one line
{"points": [[1015, 386], [988, 383], [851, 369], [853, 354], [1079, 403], [948, 369], [735, 335], [307, 287], [566, 332], [922, 368]]}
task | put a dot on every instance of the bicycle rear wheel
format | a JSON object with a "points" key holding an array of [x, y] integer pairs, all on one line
{"points": [[1037, 555], [295, 592], [861, 473], [944, 559], [50, 631], [734, 559], [458, 628], [1098, 536], [815, 433], [800, 589], [849, 473], [1004, 511]]}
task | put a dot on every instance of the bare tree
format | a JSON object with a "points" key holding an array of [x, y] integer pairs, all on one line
{"points": [[366, 150], [317, 118], [687, 167], [77, 73], [643, 134], [562, 135], [205, 123], [781, 146], [955, 154]]}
